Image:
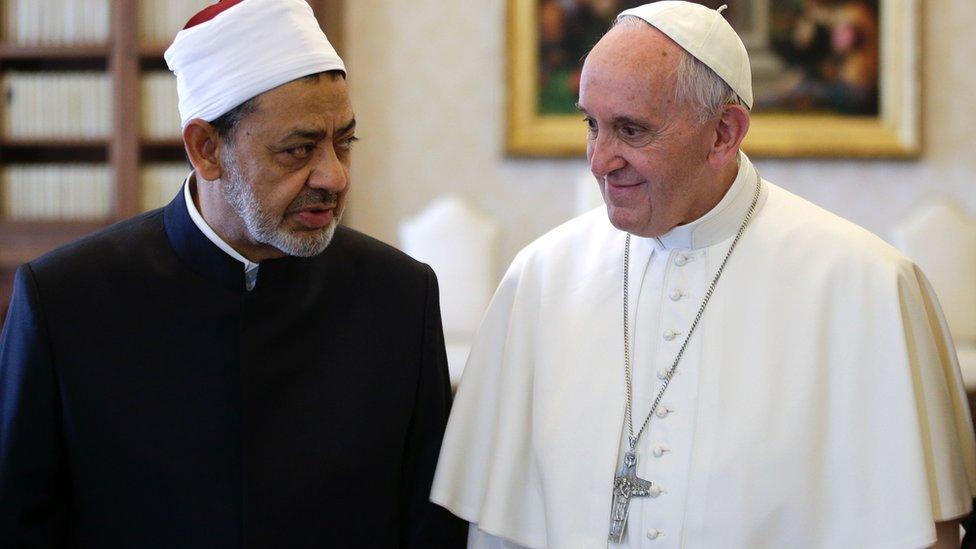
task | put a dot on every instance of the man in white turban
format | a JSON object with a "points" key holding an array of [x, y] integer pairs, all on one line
{"points": [[709, 361], [233, 370]]}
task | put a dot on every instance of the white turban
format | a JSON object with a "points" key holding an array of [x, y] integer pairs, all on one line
{"points": [[238, 49]]}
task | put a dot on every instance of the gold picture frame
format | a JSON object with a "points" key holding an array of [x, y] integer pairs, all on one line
{"points": [[892, 133]]}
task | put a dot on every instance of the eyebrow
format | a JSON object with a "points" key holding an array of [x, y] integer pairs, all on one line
{"points": [[618, 120], [318, 135]]}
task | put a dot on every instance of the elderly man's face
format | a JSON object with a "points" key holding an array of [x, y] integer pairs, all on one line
{"points": [[647, 152], [287, 167]]}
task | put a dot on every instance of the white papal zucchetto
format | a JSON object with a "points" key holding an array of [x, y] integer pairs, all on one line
{"points": [[238, 49], [706, 35]]}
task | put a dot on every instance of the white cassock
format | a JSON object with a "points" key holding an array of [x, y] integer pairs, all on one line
{"points": [[819, 403]]}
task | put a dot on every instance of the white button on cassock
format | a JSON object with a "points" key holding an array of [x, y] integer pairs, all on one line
{"points": [[676, 295], [663, 373], [660, 450], [654, 491], [681, 260], [670, 335], [654, 533], [663, 412]]}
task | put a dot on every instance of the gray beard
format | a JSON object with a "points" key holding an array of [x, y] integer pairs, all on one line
{"points": [[265, 227]]}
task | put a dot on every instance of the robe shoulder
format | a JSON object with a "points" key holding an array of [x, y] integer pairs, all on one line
{"points": [[375, 253], [124, 242], [798, 223]]}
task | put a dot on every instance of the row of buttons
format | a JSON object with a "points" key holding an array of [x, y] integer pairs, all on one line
{"points": [[655, 490], [663, 411]]}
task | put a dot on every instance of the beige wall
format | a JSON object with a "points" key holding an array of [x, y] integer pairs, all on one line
{"points": [[427, 82]]}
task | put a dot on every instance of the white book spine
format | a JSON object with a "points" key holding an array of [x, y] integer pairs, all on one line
{"points": [[28, 22], [56, 192], [11, 22], [58, 105]]}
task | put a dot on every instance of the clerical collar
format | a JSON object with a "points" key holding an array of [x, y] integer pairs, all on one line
{"points": [[722, 221], [207, 231]]}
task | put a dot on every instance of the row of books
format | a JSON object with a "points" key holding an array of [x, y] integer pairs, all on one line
{"points": [[160, 20], [160, 183], [79, 192], [57, 105], [57, 22], [68, 192], [79, 105], [160, 106], [75, 22]]}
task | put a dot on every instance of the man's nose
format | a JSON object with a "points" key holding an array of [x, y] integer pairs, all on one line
{"points": [[604, 156], [329, 172]]}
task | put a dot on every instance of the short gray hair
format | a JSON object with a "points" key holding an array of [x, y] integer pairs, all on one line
{"points": [[696, 83]]}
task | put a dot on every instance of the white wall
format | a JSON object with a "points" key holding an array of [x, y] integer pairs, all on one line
{"points": [[427, 80]]}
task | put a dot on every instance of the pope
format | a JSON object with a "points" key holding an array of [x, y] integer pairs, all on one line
{"points": [[709, 360]]}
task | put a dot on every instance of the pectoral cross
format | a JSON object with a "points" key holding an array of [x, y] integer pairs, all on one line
{"points": [[626, 485]]}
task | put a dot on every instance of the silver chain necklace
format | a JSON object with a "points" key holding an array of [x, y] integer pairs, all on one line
{"points": [[627, 484]]}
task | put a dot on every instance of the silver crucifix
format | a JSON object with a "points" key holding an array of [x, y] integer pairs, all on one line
{"points": [[626, 485]]}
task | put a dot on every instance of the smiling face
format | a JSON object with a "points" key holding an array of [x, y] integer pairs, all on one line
{"points": [[648, 153], [285, 169]]}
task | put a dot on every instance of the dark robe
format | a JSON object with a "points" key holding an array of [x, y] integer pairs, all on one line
{"points": [[147, 400]]}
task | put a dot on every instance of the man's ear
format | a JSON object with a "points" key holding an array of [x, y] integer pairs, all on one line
{"points": [[202, 147], [730, 130]]}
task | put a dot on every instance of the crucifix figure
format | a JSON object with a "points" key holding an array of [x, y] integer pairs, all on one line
{"points": [[626, 485]]}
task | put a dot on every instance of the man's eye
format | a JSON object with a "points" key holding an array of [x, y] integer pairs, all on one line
{"points": [[346, 144], [590, 124], [301, 151], [630, 131]]}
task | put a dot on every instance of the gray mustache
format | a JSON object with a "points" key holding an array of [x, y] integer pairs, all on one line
{"points": [[315, 197]]}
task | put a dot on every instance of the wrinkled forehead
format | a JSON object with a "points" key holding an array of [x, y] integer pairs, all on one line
{"points": [[636, 47], [632, 55]]}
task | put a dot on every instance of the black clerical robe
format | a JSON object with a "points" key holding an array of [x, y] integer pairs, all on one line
{"points": [[147, 400]]}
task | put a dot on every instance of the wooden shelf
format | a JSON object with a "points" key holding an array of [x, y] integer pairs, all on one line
{"points": [[151, 58], [54, 142], [36, 151], [152, 51], [10, 228], [168, 142], [22, 241], [11, 52], [162, 150]]}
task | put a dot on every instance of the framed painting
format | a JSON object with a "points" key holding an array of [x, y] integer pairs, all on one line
{"points": [[831, 78]]}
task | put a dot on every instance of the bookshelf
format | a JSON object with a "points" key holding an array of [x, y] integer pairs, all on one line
{"points": [[112, 41]]}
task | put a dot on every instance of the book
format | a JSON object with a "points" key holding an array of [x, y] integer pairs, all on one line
{"points": [[57, 22], [57, 192], [160, 183], [160, 106], [160, 20], [57, 105]]}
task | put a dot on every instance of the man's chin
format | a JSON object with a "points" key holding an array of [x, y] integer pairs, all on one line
{"points": [[635, 223], [306, 242]]}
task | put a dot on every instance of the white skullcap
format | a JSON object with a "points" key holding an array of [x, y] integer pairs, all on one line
{"points": [[238, 49], [706, 35]]}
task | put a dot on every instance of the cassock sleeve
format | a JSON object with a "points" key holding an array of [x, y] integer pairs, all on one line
{"points": [[487, 472], [425, 524], [33, 478]]}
